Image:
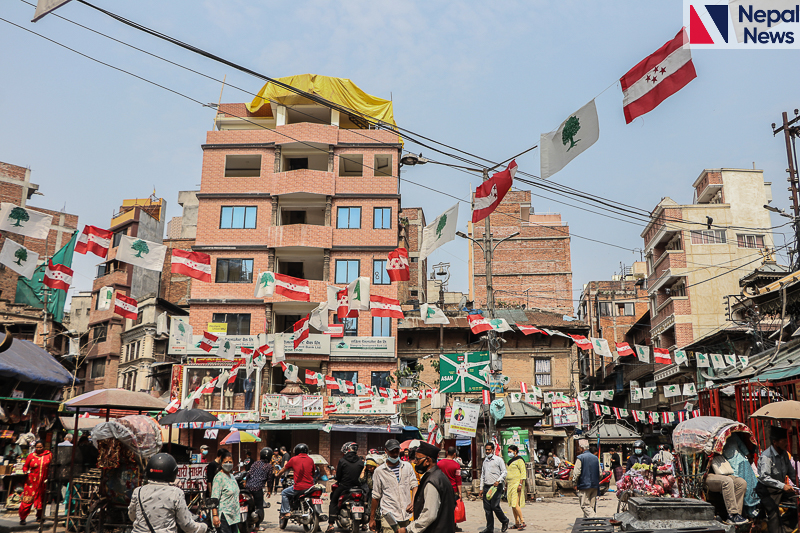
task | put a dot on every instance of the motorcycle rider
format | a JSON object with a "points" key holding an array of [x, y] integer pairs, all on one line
{"points": [[638, 456], [303, 467], [159, 506], [348, 470], [257, 477]]}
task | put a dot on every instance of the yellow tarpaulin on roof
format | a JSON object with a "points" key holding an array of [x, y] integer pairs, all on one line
{"points": [[340, 91]]}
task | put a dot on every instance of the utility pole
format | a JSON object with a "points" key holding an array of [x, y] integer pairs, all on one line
{"points": [[790, 130], [487, 256]]}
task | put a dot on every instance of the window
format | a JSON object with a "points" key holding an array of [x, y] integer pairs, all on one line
{"points": [[750, 241], [289, 218], [381, 379], [383, 165], [346, 375], [242, 166], [118, 237], [379, 274], [351, 165], [381, 326], [542, 370], [713, 236], [102, 270], [348, 218], [234, 271], [139, 318], [100, 333], [238, 323], [350, 325], [297, 163], [605, 309], [98, 368], [626, 309], [237, 217], [382, 218], [679, 289], [675, 243], [346, 270], [410, 412]]}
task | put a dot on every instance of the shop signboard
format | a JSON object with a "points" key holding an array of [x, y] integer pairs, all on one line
{"points": [[192, 478], [363, 347], [278, 406], [292, 406], [217, 327], [464, 420], [463, 372], [312, 406], [315, 344], [566, 413], [194, 350], [350, 405]]}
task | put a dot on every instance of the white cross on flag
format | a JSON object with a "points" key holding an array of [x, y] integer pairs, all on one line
{"points": [[126, 306], [491, 192], [623, 348], [57, 276]]}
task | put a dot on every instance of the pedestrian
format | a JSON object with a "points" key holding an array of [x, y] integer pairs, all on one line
{"points": [[493, 473], [248, 462], [347, 473], [664, 456], [285, 456], [257, 478], [204, 453], [404, 456], [36, 466], [434, 502], [214, 467], [277, 459], [517, 473], [303, 467], [639, 456], [556, 460], [551, 461], [452, 469], [226, 490], [394, 486], [616, 465], [586, 477], [88, 452], [773, 467], [67, 440]]}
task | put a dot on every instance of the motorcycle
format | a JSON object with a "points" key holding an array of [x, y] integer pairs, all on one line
{"points": [[605, 482], [305, 509], [250, 515], [353, 509]]}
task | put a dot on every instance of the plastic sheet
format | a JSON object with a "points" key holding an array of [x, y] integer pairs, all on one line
{"points": [[140, 433], [707, 434]]}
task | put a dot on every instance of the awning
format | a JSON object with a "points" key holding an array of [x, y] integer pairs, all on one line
{"points": [[290, 426], [24, 361], [360, 428], [84, 424], [549, 433], [464, 442], [615, 432], [778, 373]]}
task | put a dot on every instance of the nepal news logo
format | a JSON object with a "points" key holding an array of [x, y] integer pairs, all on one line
{"points": [[743, 24]]}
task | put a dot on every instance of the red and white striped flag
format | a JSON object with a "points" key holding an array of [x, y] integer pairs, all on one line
{"points": [[301, 331], [398, 400], [208, 340], [397, 265], [209, 387], [432, 435], [234, 372], [664, 418], [331, 383], [343, 306], [616, 412], [653, 416], [623, 348], [479, 324], [681, 416], [95, 240], [311, 378], [487, 398], [661, 355], [57, 276], [386, 307], [126, 307], [351, 389], [491, 192], [695, 413], [582, 342], [635, 416], [196, 265], [597, 410], [365, 403], [271, 283], [527, 330], [173, 405], [330, 409], [523, 387], [657, 77]]}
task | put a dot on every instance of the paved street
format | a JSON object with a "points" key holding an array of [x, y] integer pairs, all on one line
{"points": [[551, 515]]}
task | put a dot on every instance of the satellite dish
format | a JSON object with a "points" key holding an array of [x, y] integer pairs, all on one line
{"points": [[462, 302]]}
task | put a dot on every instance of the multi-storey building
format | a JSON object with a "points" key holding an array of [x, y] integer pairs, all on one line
{"points": [[532, 269], [694, 252], [177, 288], [412, 222]]}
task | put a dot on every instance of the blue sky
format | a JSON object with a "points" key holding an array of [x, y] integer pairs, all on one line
{"points": [[488, 78]]}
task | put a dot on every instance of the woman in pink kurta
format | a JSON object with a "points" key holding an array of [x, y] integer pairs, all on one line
{"points": [[36, 466]]}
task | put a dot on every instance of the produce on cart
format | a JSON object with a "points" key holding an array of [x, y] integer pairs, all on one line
{"points": [[649, 480]]}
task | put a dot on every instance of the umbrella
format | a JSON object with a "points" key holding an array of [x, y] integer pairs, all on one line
{"points": [[239, 436], [116, 399], [187, 415], [788, 410], [318, 459]]}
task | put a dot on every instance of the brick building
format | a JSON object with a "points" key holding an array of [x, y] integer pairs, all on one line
{"points": [[177, 288], [533, 269], [412, 222]]}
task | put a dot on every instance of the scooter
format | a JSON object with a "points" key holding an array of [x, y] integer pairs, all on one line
{"points": [[305, 509], [353, 509], [250, 515], [605, 482]]}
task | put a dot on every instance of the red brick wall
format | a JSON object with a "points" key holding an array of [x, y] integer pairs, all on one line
{"points": [[175, 288]]}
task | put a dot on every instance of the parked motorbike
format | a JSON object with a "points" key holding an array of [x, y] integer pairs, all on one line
{"points": [[564, 470], [250, 515], [306, 510], [353, 509], [605, 482]]}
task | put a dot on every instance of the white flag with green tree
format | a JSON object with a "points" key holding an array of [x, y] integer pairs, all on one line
{"points": [[141, 253], [358, 294], [18, 258], [577, 133], [24, 221], [226, 349], [442, 230], [433, 315]]}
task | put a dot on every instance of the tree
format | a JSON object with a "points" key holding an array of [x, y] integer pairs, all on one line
{"points": [[19, 214], [21, 255], [140, 246], [571, 129], [266, 279]]}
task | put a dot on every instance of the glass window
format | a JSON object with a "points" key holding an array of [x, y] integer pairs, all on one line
{"points": [[234, 271], [605, 309], [118, 237], [381, 379], [346, 375], [238, 323], [382, 218], [99, 333], [237, 217], [750, 241], [350, 325], [713, 236], [348, 217], [381, 326], [98, 368], [379, 274], [346, 270], [542, 369]]}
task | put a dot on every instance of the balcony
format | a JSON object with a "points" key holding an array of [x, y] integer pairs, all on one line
{"points": [[304, 181], [299, 235], [319, 293], [707, 186]]}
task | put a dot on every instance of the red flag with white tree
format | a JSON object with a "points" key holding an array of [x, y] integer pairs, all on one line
{"points": [[397, 267], [657, 77], [491, 192]]}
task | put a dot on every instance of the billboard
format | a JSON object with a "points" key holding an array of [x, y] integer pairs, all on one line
{"points": [[463, 372]]}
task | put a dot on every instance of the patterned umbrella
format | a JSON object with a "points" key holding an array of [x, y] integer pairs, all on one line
{"points": [[239, 436]]}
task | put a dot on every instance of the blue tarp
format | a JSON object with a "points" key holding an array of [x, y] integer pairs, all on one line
{"points": [[27, 362]]}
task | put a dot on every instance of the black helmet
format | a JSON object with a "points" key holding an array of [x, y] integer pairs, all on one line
{"points": [[266, 454], [349, 447], [300, 448], [639, 444], [162, 467]]}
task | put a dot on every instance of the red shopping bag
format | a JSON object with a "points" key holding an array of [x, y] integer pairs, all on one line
{"points": [[461, 513]]}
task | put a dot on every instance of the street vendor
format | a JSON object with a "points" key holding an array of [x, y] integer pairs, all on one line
{"points": [[639, 456], [773, 468]]}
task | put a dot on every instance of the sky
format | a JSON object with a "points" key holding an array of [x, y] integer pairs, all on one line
{"points": [[484, 77]]}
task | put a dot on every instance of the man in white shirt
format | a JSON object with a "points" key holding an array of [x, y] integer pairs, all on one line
{"points": [[394, 486], [67, 440], [493, 473]]}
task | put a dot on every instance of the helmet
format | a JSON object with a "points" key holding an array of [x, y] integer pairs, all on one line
{"points": [[162, 467], [639, 444], [300, 448], [265, 454], [349, 447]]}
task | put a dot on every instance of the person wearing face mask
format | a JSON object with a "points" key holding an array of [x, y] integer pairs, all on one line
{"points": [[434, 503], [204, 453], [214, 467], [638, 456], [226, 490], [347, 473], [394, 486], [493, 474]]}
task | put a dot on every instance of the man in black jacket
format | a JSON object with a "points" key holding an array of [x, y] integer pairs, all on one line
{"points": [[348, 472], [435, 501]]}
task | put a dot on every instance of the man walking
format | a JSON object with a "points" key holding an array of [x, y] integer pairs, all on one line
{"points": [[586, 476], [394, 485], [452, 470], [493, 473], [773, 467], [434, 502]]}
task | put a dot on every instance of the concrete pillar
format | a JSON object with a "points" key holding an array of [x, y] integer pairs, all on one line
{"points": [[331, 160], [326, 265], [277, 165], [271, 259], [275, 212], [328, 210]]}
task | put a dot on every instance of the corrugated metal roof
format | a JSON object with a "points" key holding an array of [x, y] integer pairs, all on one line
{"points": [[612, 431]]}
